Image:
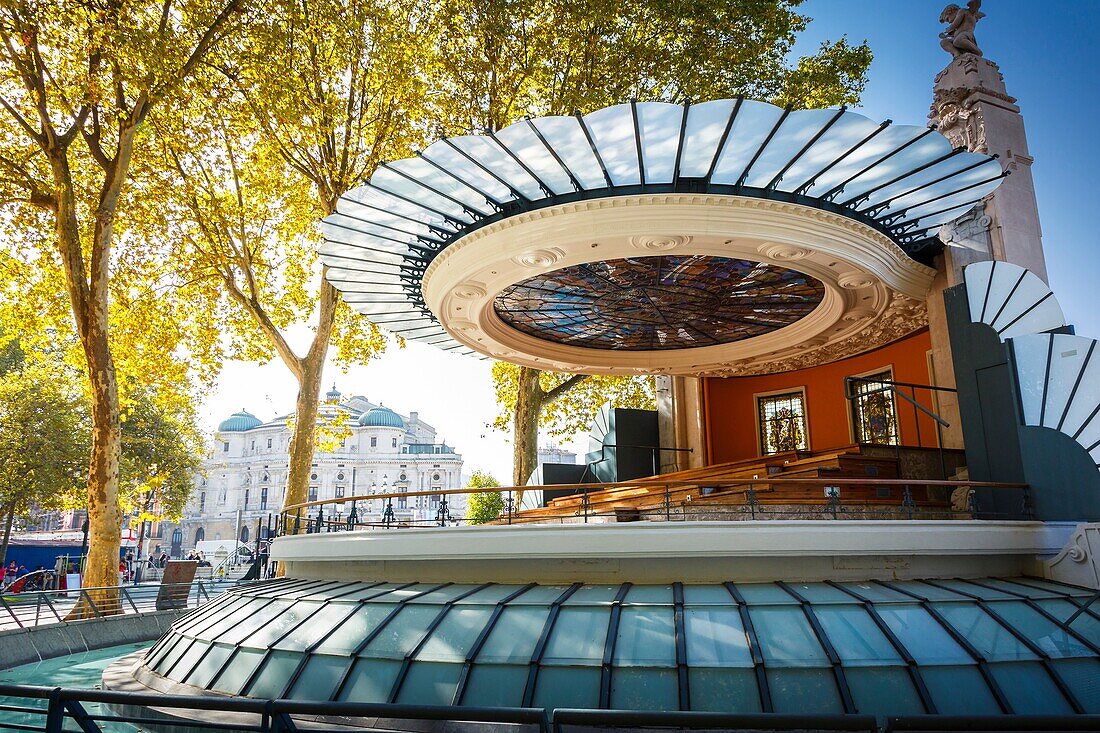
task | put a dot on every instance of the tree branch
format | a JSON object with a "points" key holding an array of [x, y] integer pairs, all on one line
{"points": [[553, 394]]}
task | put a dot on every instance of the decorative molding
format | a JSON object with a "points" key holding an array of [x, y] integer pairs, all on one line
{"points": [[469, 291], [856, 280], [783, 252], [874, 293], [659, 243], [540, 259]]}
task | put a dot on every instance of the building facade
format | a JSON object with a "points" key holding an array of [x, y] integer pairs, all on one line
{"points": [[365, 449]]}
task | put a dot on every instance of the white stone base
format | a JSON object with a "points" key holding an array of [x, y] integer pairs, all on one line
{"points": [[695, 552]]}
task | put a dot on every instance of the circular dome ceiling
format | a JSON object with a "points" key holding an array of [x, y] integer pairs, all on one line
{"points": [[661, 302], [433, 244]]}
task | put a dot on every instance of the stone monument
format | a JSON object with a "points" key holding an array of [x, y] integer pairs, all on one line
{"points": [[972, 107]]}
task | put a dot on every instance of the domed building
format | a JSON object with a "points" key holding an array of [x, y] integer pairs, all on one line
{"points": [[379, 451]]}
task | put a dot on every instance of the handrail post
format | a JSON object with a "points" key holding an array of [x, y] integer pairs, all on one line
{"points": [[297, 520], [668, 505], [55, 712], [907, 501], [751, 496], [509, 505], [584, 505]]}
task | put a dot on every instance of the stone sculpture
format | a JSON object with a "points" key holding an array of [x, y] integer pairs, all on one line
{"points": [[959, 39]]}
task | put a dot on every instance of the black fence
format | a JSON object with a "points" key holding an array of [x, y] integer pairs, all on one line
{"points": [[61, 710], [31, 608]]}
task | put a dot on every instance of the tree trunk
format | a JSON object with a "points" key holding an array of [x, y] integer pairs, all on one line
{"points": [[302, 443], [529, 399], [304, 437], [88, 296], [7, 535]]}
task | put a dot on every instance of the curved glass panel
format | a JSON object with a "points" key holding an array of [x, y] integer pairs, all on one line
{"points": [[636, 647]]}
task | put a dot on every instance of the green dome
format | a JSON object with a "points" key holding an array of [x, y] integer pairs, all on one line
{"points": [[238, 422], [381, 417]]}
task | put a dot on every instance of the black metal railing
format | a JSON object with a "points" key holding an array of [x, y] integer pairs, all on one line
{"points": [[700, 500], [49, 709], [33, 608]]}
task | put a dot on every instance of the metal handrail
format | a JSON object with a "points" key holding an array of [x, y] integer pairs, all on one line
{"points": [[34, 608], [278, 716], [667, 498]]}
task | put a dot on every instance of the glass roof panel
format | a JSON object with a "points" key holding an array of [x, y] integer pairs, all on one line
{"points": [[716, 637], [294, 615], [455, 635], [646, 638], [445, 594], [959, 690], [707, 595], [437, 634], [578, 636], [821, 593], [883, 691], [649, 594], [490, 155], [705, 127], [421, 169], [754, 122], [931, 592], [319, 678], [655, 120], [514, 635], [447, 157], [796, 132], [639, 688], [855, 636], [764, 593], [990, 638], [1041, 631], [786, 638], [402, 633], [567, 138], [612, 129], [1030, 689], [522, 140], [593, 594], [318, 625], [429, 683], [922, 635], [496, 685]]}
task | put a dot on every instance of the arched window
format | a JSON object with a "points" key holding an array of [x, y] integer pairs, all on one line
{"points": [[200, 535], [244, 534]]}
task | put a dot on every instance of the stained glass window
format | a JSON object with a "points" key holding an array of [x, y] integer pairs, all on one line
{"points": [[782, 422], [656, 303], [874, 415]]}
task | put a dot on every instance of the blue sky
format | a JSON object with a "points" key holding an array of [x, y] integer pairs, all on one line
{"points": [[1049, 56]]}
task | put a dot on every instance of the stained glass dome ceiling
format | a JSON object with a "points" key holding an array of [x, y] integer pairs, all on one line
{"points": [[429, 243], [658, 302], [944, 646]]}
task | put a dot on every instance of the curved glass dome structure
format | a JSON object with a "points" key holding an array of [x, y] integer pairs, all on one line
{"points": [[663, 302], [390, 237], [951, 646]]}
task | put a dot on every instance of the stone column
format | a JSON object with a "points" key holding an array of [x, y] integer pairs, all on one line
{"points": [[681, 422], [972, 108]]}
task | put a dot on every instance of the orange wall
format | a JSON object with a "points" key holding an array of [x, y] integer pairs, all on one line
{"points": [[731, 403]]}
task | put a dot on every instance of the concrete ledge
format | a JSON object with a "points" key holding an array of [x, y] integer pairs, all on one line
{"points": [[662, 552], [45, 641]]}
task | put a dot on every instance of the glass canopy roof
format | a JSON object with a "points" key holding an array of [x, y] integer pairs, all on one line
{"points": [[945, 646], [652, 303], [902, 180]]}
